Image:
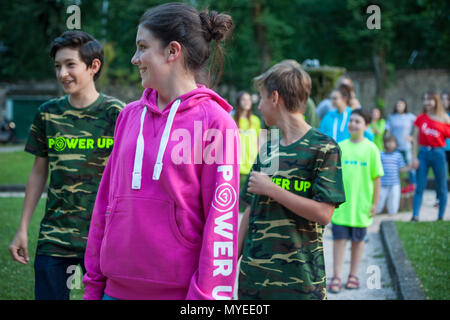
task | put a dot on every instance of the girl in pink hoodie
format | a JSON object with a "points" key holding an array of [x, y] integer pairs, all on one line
{"points": [[165, 221]]}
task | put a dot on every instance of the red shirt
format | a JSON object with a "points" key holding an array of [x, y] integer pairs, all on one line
{"points": [[432, 133]]}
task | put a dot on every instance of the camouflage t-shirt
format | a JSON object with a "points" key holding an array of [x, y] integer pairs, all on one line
{"points": [[77, 143], [283, 252]]}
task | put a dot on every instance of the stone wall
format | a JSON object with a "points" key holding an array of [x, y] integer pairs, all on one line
{"points": [[407, 84]]}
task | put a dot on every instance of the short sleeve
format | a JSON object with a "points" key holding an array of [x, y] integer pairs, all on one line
{"points": [[445, 128], [36, 142], [328, 186], [376, 167]]}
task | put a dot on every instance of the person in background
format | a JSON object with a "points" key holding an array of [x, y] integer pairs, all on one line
{"points": [[353, 103], [378, 127], [249, 126], [393, 163], [361, 172], [335, 123], [432, 128], [446, 105], [400, 124], [326, 105], [310, 115]]}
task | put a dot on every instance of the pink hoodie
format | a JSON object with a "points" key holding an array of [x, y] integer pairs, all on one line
{"points": [[165, 220]]}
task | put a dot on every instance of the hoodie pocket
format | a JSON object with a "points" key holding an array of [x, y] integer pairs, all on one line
{"points": [[142, 241]]}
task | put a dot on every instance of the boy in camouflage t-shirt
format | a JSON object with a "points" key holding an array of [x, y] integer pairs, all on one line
{"points": [[72, 138], [281, 232]]}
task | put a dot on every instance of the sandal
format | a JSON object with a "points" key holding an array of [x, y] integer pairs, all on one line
{"points": [[352, 284], [335, 285]]}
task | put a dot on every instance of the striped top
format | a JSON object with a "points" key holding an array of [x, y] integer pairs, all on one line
{"points": [[392, 162]]}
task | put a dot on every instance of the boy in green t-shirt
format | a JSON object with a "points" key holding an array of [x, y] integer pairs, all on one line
{"points": [[280, 238], [71, 138], [361, 170]]}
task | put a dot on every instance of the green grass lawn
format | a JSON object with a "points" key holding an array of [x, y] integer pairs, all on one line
{"points": [[17, 280], [16, 167], [427, 247]]}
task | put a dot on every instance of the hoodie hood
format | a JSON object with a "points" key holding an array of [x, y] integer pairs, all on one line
{"points": [[188, 100], [149, 103]]}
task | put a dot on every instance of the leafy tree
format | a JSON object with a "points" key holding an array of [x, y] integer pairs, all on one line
{"points": [[413, 34], [26, 30]]}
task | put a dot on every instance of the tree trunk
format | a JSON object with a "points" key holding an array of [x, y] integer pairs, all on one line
{"points": [[260, 32], [379, 64]]}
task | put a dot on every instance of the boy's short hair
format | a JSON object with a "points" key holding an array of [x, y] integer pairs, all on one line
{"points": [[389, 137], [88, 47], [290, 80], [364, 114]]}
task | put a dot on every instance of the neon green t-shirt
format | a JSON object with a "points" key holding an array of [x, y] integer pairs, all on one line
{"points": [[249, 142], [361, 164], [380, 125]]}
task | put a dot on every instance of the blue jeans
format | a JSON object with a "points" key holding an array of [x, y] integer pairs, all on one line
{"points": [[106, 297], [434, 158], [51, 275]]}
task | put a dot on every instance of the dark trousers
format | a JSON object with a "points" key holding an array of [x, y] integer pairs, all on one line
{"points": [[51, 275]]}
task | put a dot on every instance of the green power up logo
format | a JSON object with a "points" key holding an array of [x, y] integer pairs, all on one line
{"points": [[60, 144]]}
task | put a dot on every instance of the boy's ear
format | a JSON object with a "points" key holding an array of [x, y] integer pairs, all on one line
{"points": [[95, 66], [174, 51], [275, 96]]}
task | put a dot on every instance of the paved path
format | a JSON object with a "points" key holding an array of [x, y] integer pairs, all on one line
{"points": [[373, 259], [18, 195], [11, 148]]}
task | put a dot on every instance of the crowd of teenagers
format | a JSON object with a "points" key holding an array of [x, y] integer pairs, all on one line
{"points": [[145, 196]]}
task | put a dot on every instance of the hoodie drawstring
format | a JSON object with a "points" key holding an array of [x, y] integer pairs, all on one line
{"points": [[137, 170], [164, 139], [138, 156], [343, 123]]}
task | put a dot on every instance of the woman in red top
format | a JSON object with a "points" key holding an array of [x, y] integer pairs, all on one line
{"points": [[432, 128]]}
